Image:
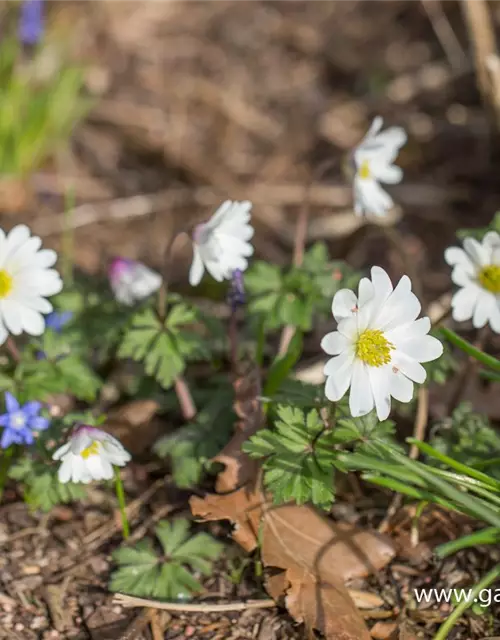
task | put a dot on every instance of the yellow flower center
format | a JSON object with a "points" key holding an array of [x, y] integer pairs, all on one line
{"points": [[373, 348], [92, 450], [489, 277], [364, 170], [5, 283]]}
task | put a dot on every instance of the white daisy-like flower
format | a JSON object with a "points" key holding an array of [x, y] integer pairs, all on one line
{"points": [[132, 281], [222, 245], [378, 345], [373, 160], [476, 270], [90, 455], [26, 280]]}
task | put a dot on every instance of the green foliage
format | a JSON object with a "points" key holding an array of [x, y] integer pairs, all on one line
{"points": [[38, 108], [142, 572], [299, 458], [164, 346], [292, 296], [41, 488], [440, 370], [301, 452], [191, 447], [468, 438]]}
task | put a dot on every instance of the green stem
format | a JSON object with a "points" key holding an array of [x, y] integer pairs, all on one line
{"points": [[68, 237], [4, 467], [456, 614], [468, 348], [120, 494]]}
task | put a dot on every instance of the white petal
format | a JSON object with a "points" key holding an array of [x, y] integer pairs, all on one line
{"points": [[423, 349], [333, 343], [463, 303], [11, 313], [65, 470], [484, 307], [339, 364], [390, 174], [401, 387], [477, 253], [462, 277], [360, 398], [365, 291], [379, 381], [57, 455], [409, 331], [456, 256], [339, 379], [344, 304], [197, 268], [410, 367], [370, 196]]}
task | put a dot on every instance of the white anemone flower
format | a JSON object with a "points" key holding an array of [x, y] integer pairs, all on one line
{"points": [[476, 270], [132, 281], [222, 245], [26, 279], [90, 455], [373, 160], [378, 345]]}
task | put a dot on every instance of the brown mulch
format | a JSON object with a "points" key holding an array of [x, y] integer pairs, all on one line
{"points": [[199, 101]]}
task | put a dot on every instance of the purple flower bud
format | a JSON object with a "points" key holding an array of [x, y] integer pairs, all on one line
{"points": [[31, 22], [132, 281], [236, 294]]}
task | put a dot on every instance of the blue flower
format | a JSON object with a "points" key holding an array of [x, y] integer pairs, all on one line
{"points": [[20, 422], [31, 22], [56, 320]]}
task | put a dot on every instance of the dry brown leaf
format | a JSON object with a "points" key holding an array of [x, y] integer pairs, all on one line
{"points": [[384, 630], [323, 606], [134, 426], [317, 556]]}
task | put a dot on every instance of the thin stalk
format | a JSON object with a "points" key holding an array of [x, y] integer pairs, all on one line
{"points": [[12, 349], [185, 398], [456, 614], [469, 349], [5, 466], [120, 494], [68, 237]]}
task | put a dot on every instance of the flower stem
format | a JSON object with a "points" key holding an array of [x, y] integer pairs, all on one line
{"points": [[4, 467], [120, 494], [185, 398], [456, 614], [12, 349]]}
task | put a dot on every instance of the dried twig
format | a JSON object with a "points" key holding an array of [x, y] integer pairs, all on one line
{"points": [[480, 26], [421, 420], [130, 601], [445, 34]]}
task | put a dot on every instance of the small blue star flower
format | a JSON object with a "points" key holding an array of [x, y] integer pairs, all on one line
{"points": [[20, 422], [57, 320], [31, 22]]}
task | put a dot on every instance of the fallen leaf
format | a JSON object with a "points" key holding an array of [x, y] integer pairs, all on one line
{"points": [[365, 599], [383, 630], [134, 425], [324, 606]]}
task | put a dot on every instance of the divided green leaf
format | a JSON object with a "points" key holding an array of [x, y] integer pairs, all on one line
{"points": [[172, 575]]}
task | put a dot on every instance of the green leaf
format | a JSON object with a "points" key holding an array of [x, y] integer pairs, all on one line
{"points": [[41, 487], [282, 366], [163, 347], [299, 457], [141, 572], [490, 535]]}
